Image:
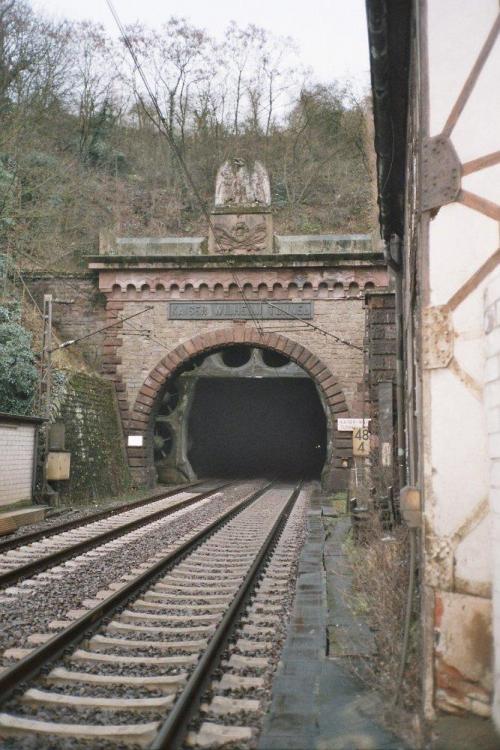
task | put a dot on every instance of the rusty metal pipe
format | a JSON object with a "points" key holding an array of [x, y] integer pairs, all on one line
{"points": [[408, 614]]}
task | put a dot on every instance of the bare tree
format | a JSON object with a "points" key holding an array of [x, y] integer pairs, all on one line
{"points": [[95, 74], [79, 149]]}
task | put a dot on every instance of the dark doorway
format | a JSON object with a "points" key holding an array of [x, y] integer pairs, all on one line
{"points": [[244, 427]]}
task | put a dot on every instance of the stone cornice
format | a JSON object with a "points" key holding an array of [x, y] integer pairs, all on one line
{"points": [[257, 262]]}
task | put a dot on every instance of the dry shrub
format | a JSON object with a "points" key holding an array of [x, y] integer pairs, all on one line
{"points": [[380, 561]]}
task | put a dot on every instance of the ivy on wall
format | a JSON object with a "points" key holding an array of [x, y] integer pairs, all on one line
{"points": [[18, 373]]}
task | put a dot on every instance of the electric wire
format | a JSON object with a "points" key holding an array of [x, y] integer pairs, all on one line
{"points": [[318, 328], [120, 319], [65, 344], [163, 128], [141, 330]]}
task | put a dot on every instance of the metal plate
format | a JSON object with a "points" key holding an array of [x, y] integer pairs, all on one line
{"points": [[441, 173], [437, 337]]}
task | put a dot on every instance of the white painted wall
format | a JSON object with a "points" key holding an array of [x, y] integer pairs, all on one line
{"points": [[461, 240], [17, 449], [492, 404], [461, 421]]}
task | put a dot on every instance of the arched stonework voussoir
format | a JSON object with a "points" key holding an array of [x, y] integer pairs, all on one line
{"points": [[330, 391]]}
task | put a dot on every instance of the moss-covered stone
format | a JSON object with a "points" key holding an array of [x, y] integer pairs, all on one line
{"points": [[93, 435]]}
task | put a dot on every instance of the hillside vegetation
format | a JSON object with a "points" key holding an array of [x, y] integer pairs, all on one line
{"points": [[79, 149]]}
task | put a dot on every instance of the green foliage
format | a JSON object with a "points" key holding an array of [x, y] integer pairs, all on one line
{"points": [[10, 312], [18, 374]]}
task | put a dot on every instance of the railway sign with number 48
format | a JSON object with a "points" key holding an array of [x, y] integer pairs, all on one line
{"points": [[361, 442]]}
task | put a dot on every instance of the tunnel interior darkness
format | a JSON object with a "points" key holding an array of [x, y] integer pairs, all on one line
{"points": [[245, 427]]}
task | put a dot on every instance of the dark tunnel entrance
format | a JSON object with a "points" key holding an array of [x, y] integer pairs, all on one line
{"points": [[245, 427]]}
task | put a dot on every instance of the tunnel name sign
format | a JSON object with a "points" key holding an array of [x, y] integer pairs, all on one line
{"points": [[240, 310], [348, 424]]}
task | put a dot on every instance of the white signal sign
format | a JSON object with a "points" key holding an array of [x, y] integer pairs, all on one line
{"points": [[135, 441]]}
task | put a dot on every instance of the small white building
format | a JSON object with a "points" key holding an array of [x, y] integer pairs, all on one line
{"points": [[18, 438]]}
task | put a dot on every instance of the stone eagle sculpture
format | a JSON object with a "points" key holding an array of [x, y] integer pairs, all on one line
{"points": [[237, 184]]}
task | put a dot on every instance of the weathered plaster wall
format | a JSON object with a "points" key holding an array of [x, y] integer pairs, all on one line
{"points": [[455, 239], [492, 403], [86, 404]]}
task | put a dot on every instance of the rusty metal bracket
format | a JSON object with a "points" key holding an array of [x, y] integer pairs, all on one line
{"points": [[437, 337], [441, 173]]}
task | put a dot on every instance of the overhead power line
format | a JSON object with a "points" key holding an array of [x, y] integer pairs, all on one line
{"points": [[99, 330], [163, 128], [317, 328], [80, 292]]}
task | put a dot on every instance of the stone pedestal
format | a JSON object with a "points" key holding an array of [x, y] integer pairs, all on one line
{"points": [[240, 230]]}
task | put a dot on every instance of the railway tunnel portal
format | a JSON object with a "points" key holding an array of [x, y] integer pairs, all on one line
{"points": [[240, 410], [248, 346]]}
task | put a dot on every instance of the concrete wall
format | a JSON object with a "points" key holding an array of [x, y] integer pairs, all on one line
{"points": [[17, 456], [451, 250]]}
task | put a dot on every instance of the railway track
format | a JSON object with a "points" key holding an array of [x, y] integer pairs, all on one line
{"points": [[39, 551], [135, 668], [16, 540]]}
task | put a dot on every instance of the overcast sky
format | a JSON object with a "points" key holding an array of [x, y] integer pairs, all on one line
{"points": [[331, 34]]}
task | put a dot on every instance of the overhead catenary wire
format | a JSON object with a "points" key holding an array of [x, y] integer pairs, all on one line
{"points": [[162, 126], [65, 344], [139, 330], [165, 131], [318, 328]]}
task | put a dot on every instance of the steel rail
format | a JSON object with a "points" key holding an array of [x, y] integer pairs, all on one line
{"points": [[40, 564], [172, 732], [35, 536], [31, 665]]}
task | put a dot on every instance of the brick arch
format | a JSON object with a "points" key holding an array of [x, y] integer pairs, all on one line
{"points": [[330, 391]]}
